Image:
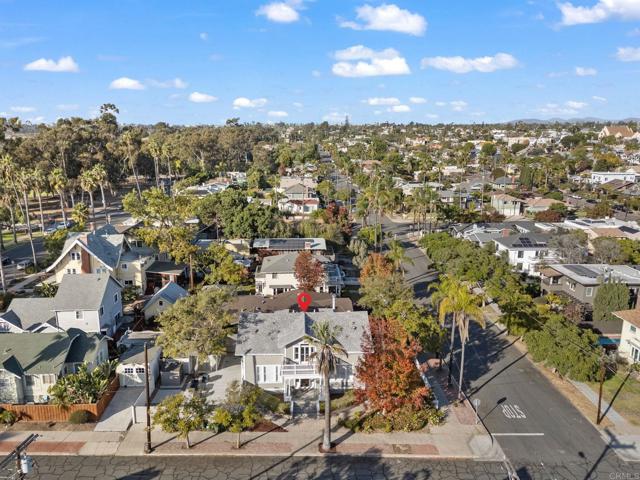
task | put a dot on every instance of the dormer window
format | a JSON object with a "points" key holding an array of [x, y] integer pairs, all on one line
{"points": [[75, 255], [123, 266]]}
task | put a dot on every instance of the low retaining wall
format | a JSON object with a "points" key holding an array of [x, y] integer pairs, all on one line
{"points": [[56, 413]]}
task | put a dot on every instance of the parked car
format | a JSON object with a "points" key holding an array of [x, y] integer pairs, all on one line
{"points": [[24, 264], [6, 261]]}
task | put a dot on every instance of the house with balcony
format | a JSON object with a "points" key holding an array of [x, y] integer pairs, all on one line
{"points": [[288, 245], [526, 251], [277, 275], [276, 356]]}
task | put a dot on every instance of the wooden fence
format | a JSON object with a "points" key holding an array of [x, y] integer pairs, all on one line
{"points": [[56, 413]]}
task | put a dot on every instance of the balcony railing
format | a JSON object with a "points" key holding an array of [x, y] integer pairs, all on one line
{"points": [[296, 370]]}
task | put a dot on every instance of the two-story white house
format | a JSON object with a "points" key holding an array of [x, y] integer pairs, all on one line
{"points": [[105, 251], [277, 357], [526, 251], [277, 275], [506, 204], [598, 178], [629, 347], [90, 302]]}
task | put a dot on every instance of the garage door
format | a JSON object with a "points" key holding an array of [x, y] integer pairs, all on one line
{"points": [[132, 377]]}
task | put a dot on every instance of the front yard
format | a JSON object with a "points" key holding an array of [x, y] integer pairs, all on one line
{"points": [[626, 393]]}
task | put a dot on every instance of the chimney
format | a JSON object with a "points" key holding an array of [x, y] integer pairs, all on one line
{"points": [[333, 302], [506, 232]]}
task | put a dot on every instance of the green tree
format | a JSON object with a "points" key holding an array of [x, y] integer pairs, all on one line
{"points": [[398, 255], [328, 350], [239, 410], [80, 215], [222, 266], [572, 350], [610, 297], [196, 325], [54, 243], [182, 415]]}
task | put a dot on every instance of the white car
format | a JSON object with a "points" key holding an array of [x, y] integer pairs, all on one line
{"points": [[24, 264]]}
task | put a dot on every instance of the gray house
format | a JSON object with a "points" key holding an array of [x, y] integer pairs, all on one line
{"points": [[276, 356], [30, 363], [581, 282]]}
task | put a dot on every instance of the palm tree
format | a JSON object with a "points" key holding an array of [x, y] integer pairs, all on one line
{"points": [[468, 309], [24, 180], [101, 178], [398, 255], [446, 297], [59, 183], [88, 183], [130, 142], [39, 183], [327, 351]]}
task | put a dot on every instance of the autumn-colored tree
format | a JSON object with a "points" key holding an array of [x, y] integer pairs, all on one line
{"points": [[376, 265], [387, 369], [308, 271]]}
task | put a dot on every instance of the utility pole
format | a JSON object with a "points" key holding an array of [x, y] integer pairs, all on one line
{"points": [[24, 463], [602, 372], [147, 445]]}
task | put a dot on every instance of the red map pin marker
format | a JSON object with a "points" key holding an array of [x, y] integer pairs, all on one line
{"points": [[304, 300]]}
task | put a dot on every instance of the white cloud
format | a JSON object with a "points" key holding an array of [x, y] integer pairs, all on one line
{"points": [[281, 12], [586, 71], [197, 97], [601, 11], [298, 104], [399, 109], [441, 104], [67, 107], [277, 114], [432, 116], [377, 101], [243, 102], [316, 73], [335, 117], [174, 83], [500, 61], [387, 17], [417, 100], [599, 99], [571, 107], [634, 33], [458, 105], [34, 120], [126, 83], [64, 64], [360, 61], [204, 36], [23, 109], [628, 54], [576, 105]]}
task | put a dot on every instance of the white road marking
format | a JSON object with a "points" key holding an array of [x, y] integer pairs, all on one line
{"points": [[512, 411], [518, 434]]}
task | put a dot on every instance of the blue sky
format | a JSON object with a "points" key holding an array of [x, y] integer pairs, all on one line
{"points": [[203, 61]]}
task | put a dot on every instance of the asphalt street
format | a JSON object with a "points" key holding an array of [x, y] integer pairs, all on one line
{"points": [[262, 468], [541, 433]]}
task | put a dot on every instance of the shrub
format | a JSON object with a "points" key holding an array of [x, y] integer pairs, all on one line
{"points": [[406, 419], [79, 417], [7, 417]]}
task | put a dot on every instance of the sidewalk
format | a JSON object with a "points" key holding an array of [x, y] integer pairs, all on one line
{"points": [[623, 437]]}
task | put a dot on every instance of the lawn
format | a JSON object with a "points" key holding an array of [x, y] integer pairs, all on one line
{"points": [[628, 398]]}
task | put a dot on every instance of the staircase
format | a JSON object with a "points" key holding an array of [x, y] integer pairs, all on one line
{"points": [[305, 403]]}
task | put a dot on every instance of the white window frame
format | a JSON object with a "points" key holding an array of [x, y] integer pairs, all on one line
{"points": [[588, 292]]}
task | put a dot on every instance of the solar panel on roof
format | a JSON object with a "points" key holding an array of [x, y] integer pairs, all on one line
{"points": [[581, 270], [626, 229]]}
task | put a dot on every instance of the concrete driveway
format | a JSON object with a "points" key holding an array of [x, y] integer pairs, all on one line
{"points": [[219, 380], [117, 416]]}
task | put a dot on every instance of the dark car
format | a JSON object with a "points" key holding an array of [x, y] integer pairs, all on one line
{"points": [[6, 261]]}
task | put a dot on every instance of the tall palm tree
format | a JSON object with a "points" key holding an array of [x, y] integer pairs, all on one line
{"points": [[59, 184], [102, 178], [468, 306], [327, 352], [446, 298], [24, 180], [88, 183], [39, 183], [398, 255]]}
